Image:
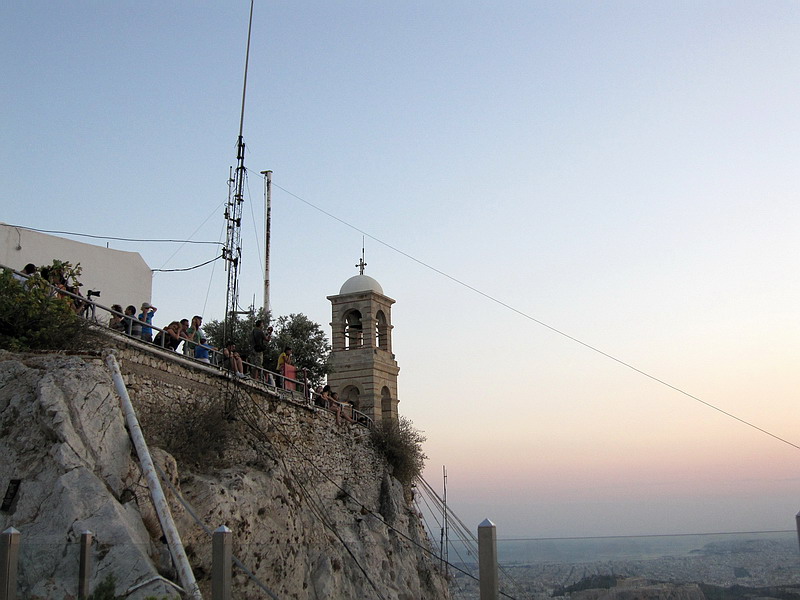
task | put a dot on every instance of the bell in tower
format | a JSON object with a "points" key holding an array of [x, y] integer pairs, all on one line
{"points": [[364, 371]]}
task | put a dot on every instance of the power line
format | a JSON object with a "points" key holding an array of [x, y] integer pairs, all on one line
{"points": [[211, 214], [187, 268], [109, 237], [313, 464], [313, 505], [643, 535], [207, 530], [539, 322]]}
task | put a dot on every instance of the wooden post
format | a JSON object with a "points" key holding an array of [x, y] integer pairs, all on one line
{"points": [[487, 560], [85, 572], [9, 558], [221, 563]]}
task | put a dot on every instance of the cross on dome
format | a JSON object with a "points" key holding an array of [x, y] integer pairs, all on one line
{"points": [[361, 264]]}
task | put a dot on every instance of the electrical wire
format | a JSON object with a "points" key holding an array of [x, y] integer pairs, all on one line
{"points": [[187, 268], [319, 512], [467, 539], [211, 214], [109, 237], [207, 530], [364, 507], [658, 535], [277, 427], [211, 277], [540, 322], [253, 217]]}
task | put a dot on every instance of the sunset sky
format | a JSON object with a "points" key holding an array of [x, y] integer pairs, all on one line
{"points": [[548, 189]]}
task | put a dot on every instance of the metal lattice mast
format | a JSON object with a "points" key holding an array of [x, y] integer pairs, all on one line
{"points": [[232, 252]]}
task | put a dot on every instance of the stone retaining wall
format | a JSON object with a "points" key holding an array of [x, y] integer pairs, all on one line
{"points": [[234, 422]]}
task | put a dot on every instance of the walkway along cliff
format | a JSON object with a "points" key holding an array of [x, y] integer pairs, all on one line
{"points": [[314, 509]]}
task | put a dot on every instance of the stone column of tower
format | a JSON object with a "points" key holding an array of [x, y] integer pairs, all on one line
{"points": [[364, 368]]}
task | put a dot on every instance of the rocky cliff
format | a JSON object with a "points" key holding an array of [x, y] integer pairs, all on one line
{"points": [[314, 510]]}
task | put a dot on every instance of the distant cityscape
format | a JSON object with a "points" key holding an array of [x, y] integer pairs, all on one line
{"points": [[541, 568]]}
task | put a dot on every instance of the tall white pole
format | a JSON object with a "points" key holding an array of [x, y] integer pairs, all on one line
{"points": [[156, 493], [267, 226]]}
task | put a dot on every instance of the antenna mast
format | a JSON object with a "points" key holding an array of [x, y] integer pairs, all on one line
{"points": [[267, 226], [232, 252]]}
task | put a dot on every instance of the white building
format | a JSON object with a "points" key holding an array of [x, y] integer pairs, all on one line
{"points": [[121, 277]]}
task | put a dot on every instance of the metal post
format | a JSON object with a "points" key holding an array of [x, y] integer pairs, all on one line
{"points": [[487, 560], [9, 558], [797, 521], [154, 485], [267, 232], [221, 563], [85, 572]]}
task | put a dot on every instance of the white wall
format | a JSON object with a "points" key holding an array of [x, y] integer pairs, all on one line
{"points": [[122, 277]]}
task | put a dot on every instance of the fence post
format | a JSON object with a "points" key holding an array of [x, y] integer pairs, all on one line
{"points": [[9, 558], [221, 563], [797, 522], [487, 560], [85, 572]]}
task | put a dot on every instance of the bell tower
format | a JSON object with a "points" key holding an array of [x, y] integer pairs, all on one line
{"points": [[364, 368]]}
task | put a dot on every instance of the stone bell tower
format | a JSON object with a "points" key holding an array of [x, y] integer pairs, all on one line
{"points": [[364, 368]]}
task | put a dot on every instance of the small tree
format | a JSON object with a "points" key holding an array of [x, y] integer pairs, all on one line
{"points": [[242, 327], [308, 342], [305, 337]]}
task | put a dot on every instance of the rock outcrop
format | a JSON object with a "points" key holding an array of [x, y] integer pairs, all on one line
{"points": [[314, 511]]}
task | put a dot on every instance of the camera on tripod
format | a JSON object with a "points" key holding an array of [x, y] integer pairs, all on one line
{"points": [[91, 293]]}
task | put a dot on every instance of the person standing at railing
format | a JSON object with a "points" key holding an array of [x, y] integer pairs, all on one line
{"points": [[28, 270], [260, 341], [183, 335], [201, 351], [194, 334], [117, 320], [147, 316], [170, 338], [285, 361], [132, 326]]}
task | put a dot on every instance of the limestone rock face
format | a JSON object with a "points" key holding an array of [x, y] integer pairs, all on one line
{"points": [[313, 510], [62, 434]]}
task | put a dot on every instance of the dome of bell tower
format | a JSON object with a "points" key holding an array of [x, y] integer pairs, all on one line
{"points": [[361, 283]]}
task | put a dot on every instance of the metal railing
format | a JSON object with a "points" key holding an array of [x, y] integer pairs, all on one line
{"points": [[276, 382]]}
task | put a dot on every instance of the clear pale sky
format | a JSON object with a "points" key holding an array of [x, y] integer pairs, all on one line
{"points": [[624, 172]]}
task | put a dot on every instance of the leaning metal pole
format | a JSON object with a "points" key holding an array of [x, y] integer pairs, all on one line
{"points": [[156, 493], [233, 212]]}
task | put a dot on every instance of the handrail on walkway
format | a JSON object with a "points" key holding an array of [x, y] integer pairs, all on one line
{"points": [[270, 379]]}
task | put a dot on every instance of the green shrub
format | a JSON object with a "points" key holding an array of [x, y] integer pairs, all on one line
{"points": [[106, 589], [32, 317], [401, 444]]}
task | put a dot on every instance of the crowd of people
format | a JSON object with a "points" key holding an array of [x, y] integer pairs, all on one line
{"points": [[195, 345], [188, 336]]}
